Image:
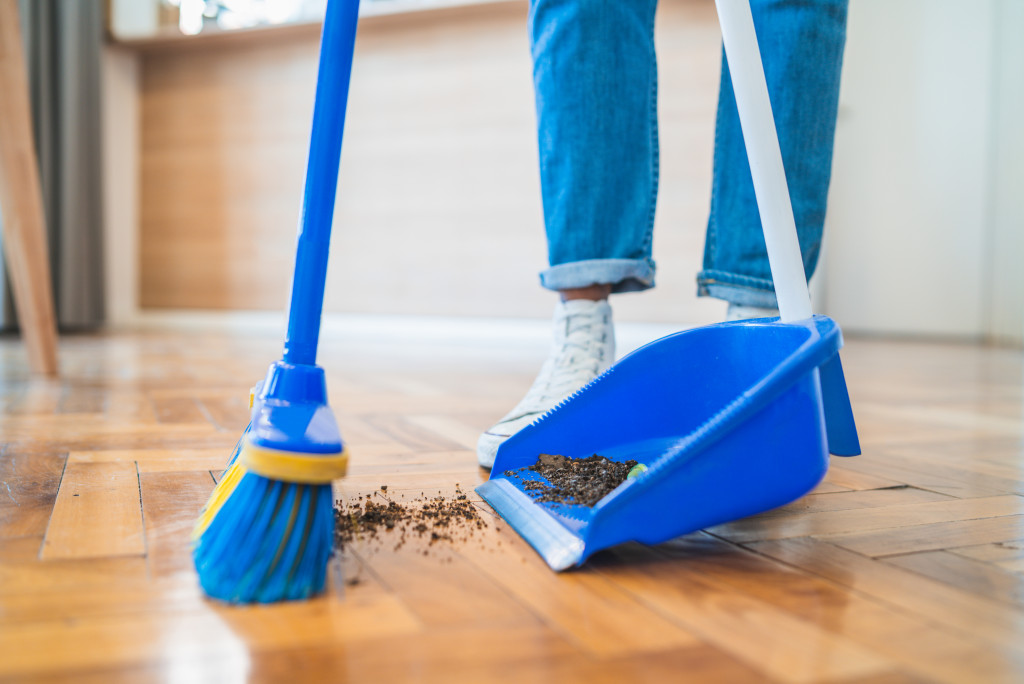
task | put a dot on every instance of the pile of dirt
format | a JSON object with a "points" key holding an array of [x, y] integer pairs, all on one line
{"points": [[379, 518], [580, 481]]}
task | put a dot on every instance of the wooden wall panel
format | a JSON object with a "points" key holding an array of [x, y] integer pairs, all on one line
{"points": [[439, 203]]}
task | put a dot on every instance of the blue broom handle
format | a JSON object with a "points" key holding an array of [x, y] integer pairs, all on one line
{"points": [[337, 43]]}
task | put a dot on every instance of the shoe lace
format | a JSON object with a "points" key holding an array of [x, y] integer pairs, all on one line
{"points": [[576, 358]]}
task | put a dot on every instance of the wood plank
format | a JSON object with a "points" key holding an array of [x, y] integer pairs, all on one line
{"points": [[541, 656], [176, 410], [849, 501], [460, 433], [77, 433], [137, 594], [992, 553], [363, 452], [928, 472], [133, 639], [840, 474], [41, 396], [826, 487], [972, 575], [916, 644], [409, 433], [995, 457], [596, 615], [932, 537], [23, 574], [407, 486], [69, 598], [157, 460], [133, 594], [355, 430], [439, 586], [461, 655], [83, 399], [967, 419], [772, 641], [951, 607], [229, 413], [366, 613], [1016, 565], [407, 385], [171, 502], [412, 462], [901, 423], [129, 407], [869, 519], [97, 513], [141, 674], [28, 489], [896, 677], [382, 403]]}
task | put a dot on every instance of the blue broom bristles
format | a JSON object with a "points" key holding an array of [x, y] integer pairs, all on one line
{"points": [[270, 541]]}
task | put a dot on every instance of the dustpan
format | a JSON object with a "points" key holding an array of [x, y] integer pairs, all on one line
{"points": [[730, 419]]}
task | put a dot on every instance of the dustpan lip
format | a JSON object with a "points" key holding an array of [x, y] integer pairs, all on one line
{"points": [[559, 546]]}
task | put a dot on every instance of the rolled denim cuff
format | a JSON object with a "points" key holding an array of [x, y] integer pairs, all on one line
{"points": [[624, 275], [737, 289]]}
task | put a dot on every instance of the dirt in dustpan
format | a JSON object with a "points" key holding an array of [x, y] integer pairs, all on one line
{"points": [[579, 481]]}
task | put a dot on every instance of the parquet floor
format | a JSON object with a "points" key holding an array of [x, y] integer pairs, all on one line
{"points": [[906, 564]]}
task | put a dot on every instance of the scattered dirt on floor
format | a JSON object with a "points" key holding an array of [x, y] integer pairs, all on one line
{"points": [[379, 519], [580, 481]]}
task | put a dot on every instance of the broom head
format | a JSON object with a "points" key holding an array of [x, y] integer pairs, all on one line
{"points": [[266, 533]]}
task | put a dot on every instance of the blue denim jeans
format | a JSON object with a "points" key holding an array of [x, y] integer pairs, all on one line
{"points": [[596, 84]]}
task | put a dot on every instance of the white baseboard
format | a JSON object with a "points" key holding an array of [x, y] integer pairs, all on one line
{"points": [[433, 331]]}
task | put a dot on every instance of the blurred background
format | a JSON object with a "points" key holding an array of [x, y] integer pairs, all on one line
{"points": [[173, 135]]}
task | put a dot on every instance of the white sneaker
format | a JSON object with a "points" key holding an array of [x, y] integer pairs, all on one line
{"points": [[583, 347]]}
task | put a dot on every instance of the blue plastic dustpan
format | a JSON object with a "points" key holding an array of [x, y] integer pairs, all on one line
{"points": [[730, 420]]}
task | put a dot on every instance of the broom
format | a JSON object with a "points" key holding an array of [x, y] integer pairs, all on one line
{"points": [[266, 534]]}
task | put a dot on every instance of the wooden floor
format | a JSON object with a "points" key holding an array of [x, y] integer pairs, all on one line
{"points": [[906, 564]]}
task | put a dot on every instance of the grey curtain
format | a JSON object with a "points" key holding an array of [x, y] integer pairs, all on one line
{"points": [[63, 43]]}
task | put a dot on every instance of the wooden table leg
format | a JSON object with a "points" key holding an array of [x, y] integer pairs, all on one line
{"points": [[24, 227]]}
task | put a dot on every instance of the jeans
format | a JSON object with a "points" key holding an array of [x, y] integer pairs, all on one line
{"points": [[596, 85]]}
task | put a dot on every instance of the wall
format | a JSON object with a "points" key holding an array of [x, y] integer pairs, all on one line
{"points": [[439, 206], [1006, 245], [924, 221], [439, 209]]}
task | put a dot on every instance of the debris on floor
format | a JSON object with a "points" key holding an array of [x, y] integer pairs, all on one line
{"points": [[381, 518]]}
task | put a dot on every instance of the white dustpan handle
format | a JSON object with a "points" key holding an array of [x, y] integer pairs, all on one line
{"points": [[765, 158]]}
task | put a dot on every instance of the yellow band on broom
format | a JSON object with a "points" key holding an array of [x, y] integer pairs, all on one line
{"points": [[289, 466]]}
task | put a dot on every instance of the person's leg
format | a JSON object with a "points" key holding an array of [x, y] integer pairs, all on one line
{"points": [[802, 50], [595, 82], [596, 93]]}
